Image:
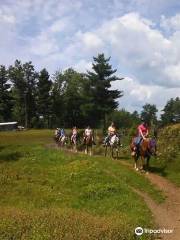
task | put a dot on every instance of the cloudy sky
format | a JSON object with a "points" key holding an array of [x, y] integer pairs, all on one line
{"points": [[141, 36]]}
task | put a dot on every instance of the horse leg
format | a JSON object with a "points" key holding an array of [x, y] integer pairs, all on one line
{"points": [[142, 163], [90, 151], [105, 150], [112, 152], [147, 164], [117, 153], [75, 148], [135, 163], [86, 150]]}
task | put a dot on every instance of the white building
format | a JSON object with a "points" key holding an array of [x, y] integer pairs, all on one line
{"points": [[8, 126]]}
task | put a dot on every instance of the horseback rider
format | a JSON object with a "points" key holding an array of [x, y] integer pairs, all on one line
{"points": [[74, 133], [88, 132], [111, 132], [56, 132], [143, 131], [62, 133]]}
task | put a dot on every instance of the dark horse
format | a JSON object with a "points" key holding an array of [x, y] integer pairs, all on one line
{"points": [[88, 141], [145, 150]]}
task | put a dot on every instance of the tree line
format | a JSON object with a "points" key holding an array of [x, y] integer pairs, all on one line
{"points": [[69, 98]]}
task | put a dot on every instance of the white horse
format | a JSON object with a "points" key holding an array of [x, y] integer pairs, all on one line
{"points": [[62, 141], [74, 141], [114, 143]]}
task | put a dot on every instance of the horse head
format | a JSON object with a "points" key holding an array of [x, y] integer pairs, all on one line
{"points": [[114, 140], [88, 140], [144, 145], [152, 146]]}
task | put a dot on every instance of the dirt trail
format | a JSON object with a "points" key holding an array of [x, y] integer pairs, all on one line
{"points": [[166, 214]]}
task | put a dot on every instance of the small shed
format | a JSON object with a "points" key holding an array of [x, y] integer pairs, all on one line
{"points": [[8, 126]]}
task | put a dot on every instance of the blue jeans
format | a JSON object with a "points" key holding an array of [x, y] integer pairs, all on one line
{"points": [[138, 140]]}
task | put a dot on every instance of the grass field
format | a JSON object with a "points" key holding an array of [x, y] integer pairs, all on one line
{"points": [[50, 194]]}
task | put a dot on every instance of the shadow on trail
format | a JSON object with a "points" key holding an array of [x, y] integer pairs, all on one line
{"points": [[7, 157], [2, 147], [159, 170], [123, 158]]}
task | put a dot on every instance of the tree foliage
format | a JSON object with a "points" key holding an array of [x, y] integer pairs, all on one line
{"points": [[70, 98], [5, 95], [149, 113], [103, 97], [171, 112]]}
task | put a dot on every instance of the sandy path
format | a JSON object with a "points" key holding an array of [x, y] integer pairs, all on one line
{"points": [[166, 214]]}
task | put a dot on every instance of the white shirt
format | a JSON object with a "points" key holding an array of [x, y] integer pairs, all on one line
{"points": [[88, 132]]}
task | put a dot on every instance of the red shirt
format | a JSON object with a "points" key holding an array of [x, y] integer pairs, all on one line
{"points": [[143, 129]]}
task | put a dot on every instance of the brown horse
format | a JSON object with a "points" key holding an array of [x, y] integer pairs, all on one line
{"points": [[146, 149], [88, 144]]}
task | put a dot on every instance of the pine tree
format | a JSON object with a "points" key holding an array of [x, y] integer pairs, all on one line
{"points": [[16, 76], [30, 77], [44, 99], [5, 98], [103, 99]]}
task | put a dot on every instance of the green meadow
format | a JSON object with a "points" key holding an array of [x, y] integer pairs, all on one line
{"points": [[47, 193]]}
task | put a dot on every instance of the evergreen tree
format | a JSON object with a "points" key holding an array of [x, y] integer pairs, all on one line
{"points": [[103, 99], [57, 99], [16, 75], [5, 98], [30, 77], [44, 98]]}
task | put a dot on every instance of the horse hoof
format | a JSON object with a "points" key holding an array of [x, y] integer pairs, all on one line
{"points": [[137, 169], [147, 173]]}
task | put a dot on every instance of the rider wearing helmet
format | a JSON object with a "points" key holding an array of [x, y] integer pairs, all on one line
{"points": [[56, 132], [88, 132], [74, 133], [111, 132], [62, 133], [143, 131]]}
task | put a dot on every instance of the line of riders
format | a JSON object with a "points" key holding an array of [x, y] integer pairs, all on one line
{"points": [[88, 132], [141, 136]]}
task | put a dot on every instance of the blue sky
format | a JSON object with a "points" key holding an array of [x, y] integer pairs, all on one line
{"points": [[141, 36]]}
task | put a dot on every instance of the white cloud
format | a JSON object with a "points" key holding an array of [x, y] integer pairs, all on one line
{"points": [[136, 95], [83, 65], [43, 45], [139, 48], [58, 26], [170, 24]]}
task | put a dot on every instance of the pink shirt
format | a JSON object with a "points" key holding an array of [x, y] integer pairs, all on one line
{"points": [[74, 131], [143, 129]]}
